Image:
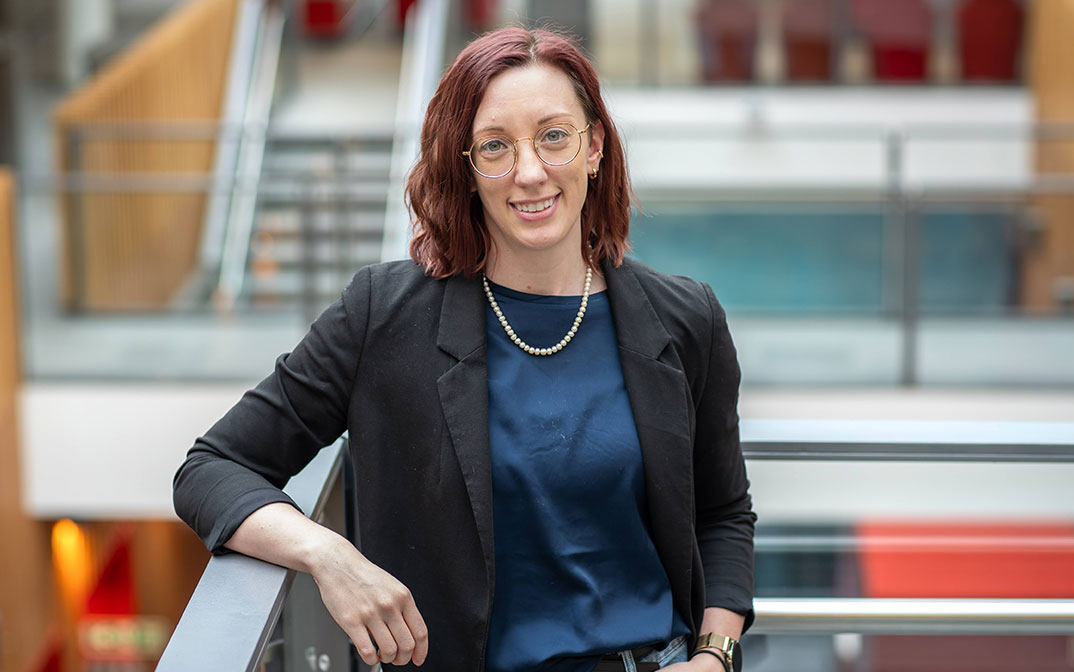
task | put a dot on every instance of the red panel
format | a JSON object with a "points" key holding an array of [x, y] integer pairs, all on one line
{"points": [[966, 653], [50, 657], [114, 592], [967, 560]]}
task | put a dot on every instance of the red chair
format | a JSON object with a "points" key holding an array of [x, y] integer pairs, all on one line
{"points": [[728, 31], [898, 33], [807, 40], [990, 38]]}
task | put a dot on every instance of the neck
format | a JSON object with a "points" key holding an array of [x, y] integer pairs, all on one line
{"points": [[561, 275]]}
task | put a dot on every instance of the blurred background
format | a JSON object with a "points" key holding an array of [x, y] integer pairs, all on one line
{"points": [[880, 192]]}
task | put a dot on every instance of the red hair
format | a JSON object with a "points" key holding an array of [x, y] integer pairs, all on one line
{"points": [[450, 235]]}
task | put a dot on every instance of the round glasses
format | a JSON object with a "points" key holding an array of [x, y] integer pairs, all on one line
{"points": [[555, 144]]}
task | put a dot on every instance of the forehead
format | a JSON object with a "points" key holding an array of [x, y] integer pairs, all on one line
{"points": [[518, 98]]}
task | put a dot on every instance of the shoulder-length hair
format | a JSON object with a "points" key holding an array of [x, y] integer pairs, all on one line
{"points": [[450, 235]]}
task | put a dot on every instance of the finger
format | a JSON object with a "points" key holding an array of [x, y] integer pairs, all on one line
{"points": [[362, 642], [416, 624], [385, 642], [401, 632]]}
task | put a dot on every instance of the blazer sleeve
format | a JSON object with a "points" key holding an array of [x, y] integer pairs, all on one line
{"points": [[725, 518], [243, 461]]}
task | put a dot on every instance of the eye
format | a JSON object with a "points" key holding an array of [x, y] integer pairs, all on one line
{"points": [[493, 146], [554, 135]]}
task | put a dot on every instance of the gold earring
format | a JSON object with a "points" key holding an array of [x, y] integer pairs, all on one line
{"points": [[593, 175]]}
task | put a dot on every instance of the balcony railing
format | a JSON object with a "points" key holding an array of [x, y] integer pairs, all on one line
{"points": [[233, 621]]}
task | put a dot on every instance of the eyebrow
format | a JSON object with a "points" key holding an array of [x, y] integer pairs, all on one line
{"points": [[540, 122]]}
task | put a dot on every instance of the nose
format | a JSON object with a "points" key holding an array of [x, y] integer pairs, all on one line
{"points": [[529, 169]]}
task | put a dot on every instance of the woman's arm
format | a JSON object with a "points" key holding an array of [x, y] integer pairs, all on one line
{"points": [[364, 600], [229, 488], [241, 464], [725, 518]]}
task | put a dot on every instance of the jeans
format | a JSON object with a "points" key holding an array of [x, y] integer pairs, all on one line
{"points": [[675, 652]]}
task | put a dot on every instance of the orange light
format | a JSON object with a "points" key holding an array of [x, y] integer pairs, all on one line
{"points": [[73, 561]]}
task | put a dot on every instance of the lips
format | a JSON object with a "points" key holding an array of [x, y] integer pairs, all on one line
{"points": [[535, 206]]}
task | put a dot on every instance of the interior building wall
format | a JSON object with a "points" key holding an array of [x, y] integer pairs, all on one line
{"points": [[1048, 283], [26, 595], [38, 604]]}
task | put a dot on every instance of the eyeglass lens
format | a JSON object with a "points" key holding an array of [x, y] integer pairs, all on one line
{"points": [[556, 145]]}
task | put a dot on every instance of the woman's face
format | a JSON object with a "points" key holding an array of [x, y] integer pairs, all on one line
{"points": [[535, 207]]}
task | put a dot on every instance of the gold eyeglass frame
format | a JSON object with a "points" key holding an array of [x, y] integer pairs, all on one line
{"points": [[514, 149]]}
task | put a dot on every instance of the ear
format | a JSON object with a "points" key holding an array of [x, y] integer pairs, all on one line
{"points": [[596, 146]]}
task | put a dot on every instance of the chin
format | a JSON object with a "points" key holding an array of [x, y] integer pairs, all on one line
{"points": [[540, 241]]}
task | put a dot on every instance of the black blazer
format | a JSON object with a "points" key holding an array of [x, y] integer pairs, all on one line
{"points": [[399, 361]]}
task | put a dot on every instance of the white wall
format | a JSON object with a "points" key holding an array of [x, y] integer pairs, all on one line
{"points": [[110, 450], [823, 137]]}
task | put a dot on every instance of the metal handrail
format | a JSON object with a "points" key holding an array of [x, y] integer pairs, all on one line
{"points": [[1037, 130], [883, 616], [233, 112], [117, 182], [423, 49], [824, 132], [240, 218], [228, 621], [908, 440]]}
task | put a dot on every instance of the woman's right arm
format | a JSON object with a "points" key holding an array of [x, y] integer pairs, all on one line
{"points": [[363, 599], [229, 488]]}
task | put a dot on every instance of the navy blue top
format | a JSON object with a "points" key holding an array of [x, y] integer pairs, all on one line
{"points": [[577, 574]]}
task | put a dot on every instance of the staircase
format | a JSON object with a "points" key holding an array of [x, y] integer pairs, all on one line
{"points": [[320, 217]]}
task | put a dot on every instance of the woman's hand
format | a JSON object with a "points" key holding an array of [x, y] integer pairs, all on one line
{"points": [[368, 602]]}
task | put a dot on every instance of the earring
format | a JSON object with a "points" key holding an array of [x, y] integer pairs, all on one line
{"points": [[593, 175]]}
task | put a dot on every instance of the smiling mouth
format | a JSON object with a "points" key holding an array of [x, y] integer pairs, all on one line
{"points": [[536, 206]]}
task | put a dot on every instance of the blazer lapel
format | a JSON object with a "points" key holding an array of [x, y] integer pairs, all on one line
{"points": [[464, 398], [660, 399]]}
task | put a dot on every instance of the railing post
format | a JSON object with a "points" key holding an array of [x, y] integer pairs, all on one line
{"points": [[76, 221], [901, 230], [344, 242], [306, 241]]}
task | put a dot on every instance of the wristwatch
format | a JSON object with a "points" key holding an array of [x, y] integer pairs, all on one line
{"points": [[710, 643]]}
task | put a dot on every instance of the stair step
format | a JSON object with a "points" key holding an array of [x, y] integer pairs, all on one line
{"points": [[322, 194], [373, 165], [291, 284], [322, 224], [292, 252]]}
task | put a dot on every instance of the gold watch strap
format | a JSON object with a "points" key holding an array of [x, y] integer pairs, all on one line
{"points": [[721, 643]]}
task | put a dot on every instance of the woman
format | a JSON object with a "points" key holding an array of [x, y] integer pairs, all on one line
{"points": [[518, 365]]}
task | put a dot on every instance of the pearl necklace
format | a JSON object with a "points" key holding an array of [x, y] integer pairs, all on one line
{"points": [[540, 352]]}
